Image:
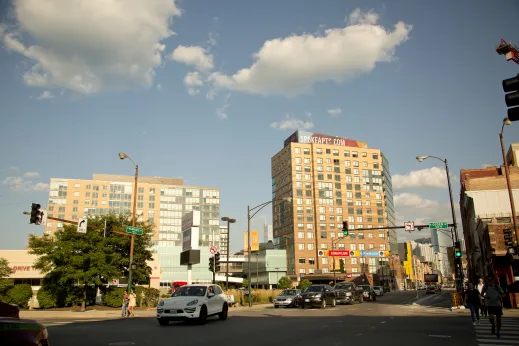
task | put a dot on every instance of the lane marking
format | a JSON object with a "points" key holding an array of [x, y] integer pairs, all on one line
{"points": [[383, 322]]}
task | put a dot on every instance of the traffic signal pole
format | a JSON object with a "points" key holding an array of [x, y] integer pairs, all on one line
{"points": [[214, 269]]}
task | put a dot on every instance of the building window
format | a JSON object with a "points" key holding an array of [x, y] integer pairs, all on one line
{"points": [[302, 261]]}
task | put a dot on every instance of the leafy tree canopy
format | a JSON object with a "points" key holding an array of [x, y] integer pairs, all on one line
{"points": [[5, 270], [89, 258], [284, 283]]}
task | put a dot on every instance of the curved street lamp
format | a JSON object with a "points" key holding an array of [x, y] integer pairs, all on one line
{"points": [[455, 226], [249, 217], [123, 156], [229, 221]]}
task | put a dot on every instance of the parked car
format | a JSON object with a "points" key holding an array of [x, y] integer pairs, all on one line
{"points": [[193, 302], [9, 310], [386, 289], [379, 291], [15, 331], [348, 293], [368, 292], [287, 298], [317, 295], [432, 289]]}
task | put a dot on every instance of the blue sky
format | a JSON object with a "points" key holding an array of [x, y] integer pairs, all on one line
{"points": [[160, 83]]}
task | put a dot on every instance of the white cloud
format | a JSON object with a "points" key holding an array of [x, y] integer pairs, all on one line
{"points": [[334, 112], [413, 200], [193, 81], [46, 95], [292, 65], [429, 177], [31, 175], [89, 46], [291, 123], [159, 86], [195, 56], [212, 40], [222, 111], [308, 114], [20, 183]]}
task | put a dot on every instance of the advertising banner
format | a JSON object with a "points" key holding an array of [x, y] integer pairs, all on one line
{"points": [[319, 138], [190, 238], [254, 236]]}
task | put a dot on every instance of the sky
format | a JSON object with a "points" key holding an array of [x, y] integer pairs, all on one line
{"points": [[209, 90]]}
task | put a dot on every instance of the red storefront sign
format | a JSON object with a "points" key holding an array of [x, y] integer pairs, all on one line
{"points": [[339, 253]]}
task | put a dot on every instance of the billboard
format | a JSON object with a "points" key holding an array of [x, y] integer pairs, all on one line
{"points": [[190, 230], [319, 138], [191, 219], [254, 244]]}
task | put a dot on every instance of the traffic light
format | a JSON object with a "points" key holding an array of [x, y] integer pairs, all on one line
{"points": [[511, 86], [211, 264], [345, 231], [36, 214], [509, 237], [457, 249], [109, 224], [217, 262]]}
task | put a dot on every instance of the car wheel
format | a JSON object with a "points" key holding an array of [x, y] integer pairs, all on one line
{"points": [[276, 306], [323, 303], [334, 303], [202, 318], [223, 315], [163, 321], [361, 299], [374, 298]]}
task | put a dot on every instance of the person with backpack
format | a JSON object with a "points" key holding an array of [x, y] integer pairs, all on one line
{"points": [[493, 295]]}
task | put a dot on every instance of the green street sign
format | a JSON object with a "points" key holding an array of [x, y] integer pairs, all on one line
{"points": [[134, 230], [438, 225]]}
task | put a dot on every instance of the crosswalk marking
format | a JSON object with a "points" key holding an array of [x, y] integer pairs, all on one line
{"points": [[509, 332]]}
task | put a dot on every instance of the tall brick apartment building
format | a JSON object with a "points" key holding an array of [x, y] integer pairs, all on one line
{"points": [[485, 212]]}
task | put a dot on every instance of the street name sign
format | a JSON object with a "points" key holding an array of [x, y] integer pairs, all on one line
{"points": [[134, 230], [340, 253], [438, 225]]}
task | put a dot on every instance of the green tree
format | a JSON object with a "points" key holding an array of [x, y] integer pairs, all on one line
{"points": [[284, 283], [90, 260], [305, 283], [341, 265], [5, 270], [245, 283]]}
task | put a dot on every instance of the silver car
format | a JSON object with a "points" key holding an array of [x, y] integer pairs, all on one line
{"points": [[287, 298], [379, 291]]}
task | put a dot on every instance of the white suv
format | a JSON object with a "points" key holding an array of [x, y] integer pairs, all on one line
{"points": [[191, 302]]}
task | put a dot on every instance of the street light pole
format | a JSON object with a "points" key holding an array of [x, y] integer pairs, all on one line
{"points": [[123, 156], [507, 121], [229, 221], [459, 286], [249, 217], [257, 270]]}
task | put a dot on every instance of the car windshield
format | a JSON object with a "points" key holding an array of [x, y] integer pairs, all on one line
{"points": [[289, 293], [343, 286], [190, 291], [314, 289]]}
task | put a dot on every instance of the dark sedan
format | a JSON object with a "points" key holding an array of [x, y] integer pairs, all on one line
{"points": [[317, 295]]}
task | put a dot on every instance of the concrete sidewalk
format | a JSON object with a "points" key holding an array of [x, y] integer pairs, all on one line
{"points": [[107, 314]]}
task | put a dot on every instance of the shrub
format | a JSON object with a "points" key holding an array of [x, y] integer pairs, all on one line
{"points": [[20, 295], [304, 284], [48, 296], [113, 297], [151, 297], [5, 286]]}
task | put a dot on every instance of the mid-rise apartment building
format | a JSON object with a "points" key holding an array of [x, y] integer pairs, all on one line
{"points": [[161, 201], [330, 180]]}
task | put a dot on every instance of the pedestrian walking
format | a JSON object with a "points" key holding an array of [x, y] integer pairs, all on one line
{"points": [[482, 306], [132, 303], [126, 299], [494, 302], [473, 301]]}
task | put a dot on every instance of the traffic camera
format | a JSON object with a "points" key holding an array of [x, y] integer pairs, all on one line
{"points": [[511, 87], [36, 214], [345, 231]]}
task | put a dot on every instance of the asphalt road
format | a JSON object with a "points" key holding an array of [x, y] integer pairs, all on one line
{"points": [[388, 321]]}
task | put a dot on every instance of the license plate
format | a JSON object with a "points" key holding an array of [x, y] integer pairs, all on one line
{"points": [[307, 300]]}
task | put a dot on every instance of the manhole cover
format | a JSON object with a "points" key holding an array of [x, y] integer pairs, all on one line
{"points": [[121, 343], [440, 336]]}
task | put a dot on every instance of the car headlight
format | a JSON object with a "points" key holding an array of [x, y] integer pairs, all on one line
{"points": [[193, 302], [161, 303], [318, 295], [348, 294]]}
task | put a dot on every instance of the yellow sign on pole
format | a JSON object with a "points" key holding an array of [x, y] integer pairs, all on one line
{"points": [[254, 237]]}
